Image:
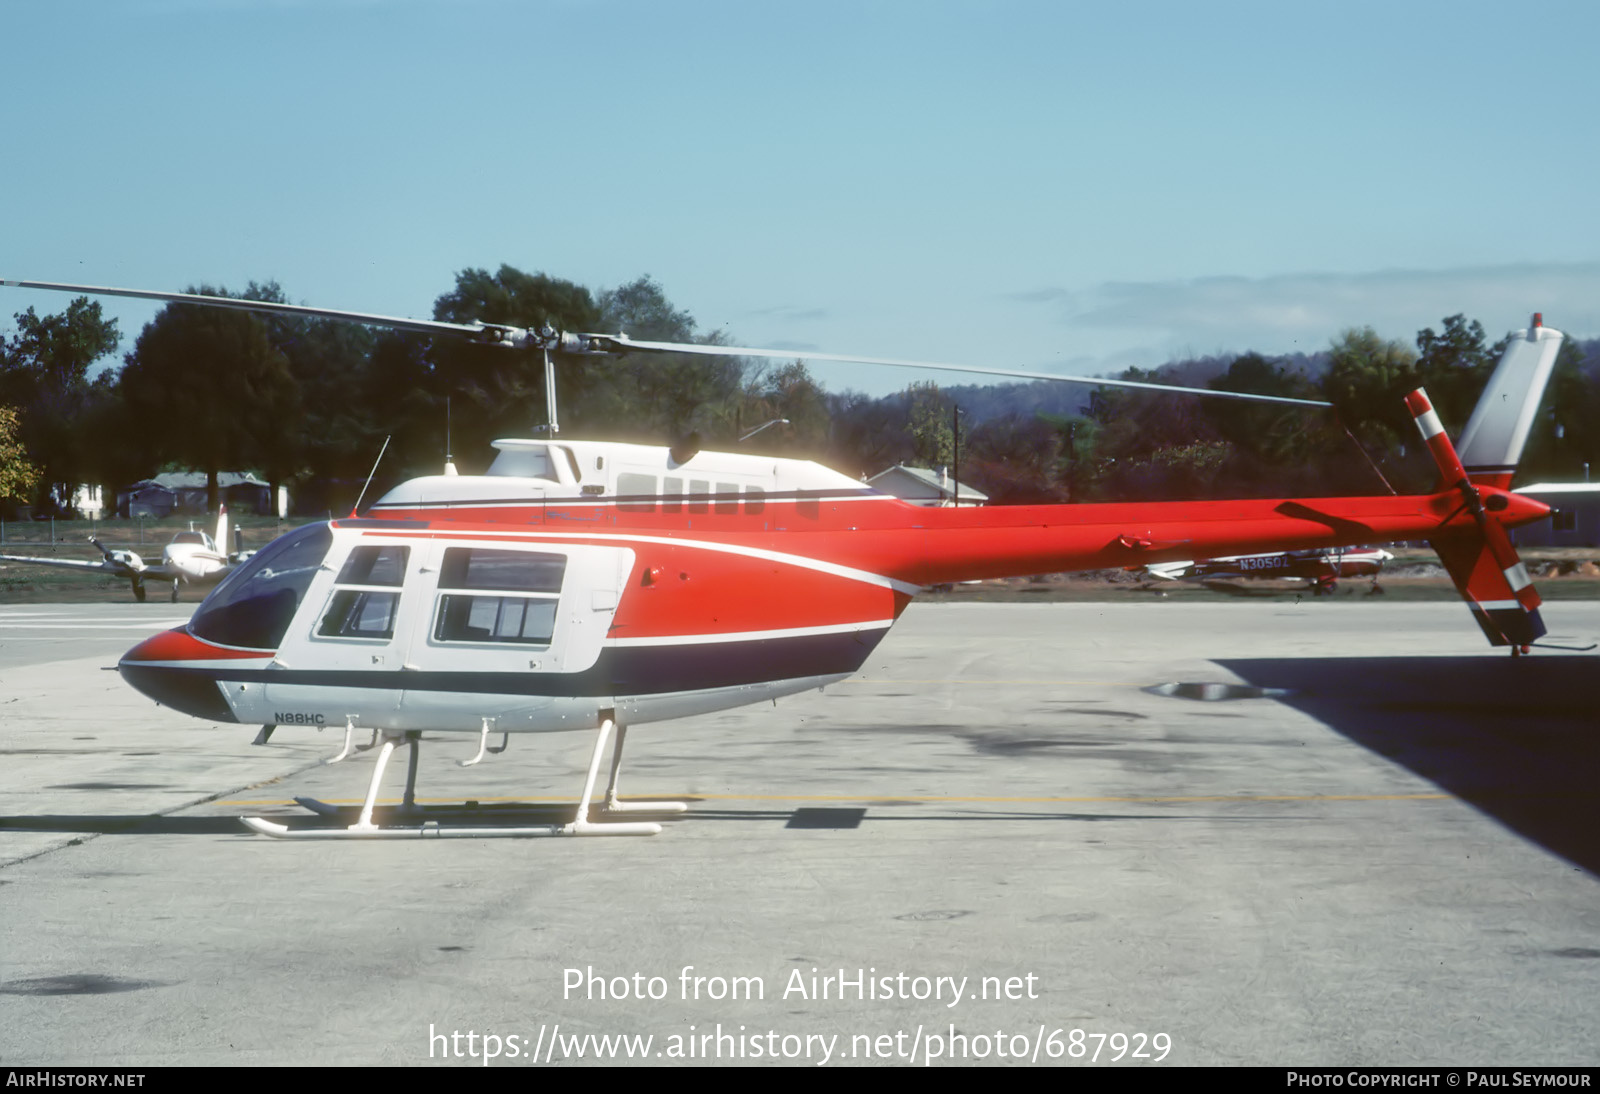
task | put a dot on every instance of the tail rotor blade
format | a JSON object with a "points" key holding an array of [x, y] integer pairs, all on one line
{"points": [[1483, 563]]}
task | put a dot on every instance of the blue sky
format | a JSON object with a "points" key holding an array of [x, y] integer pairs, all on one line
{"points": [[1056, 186]]}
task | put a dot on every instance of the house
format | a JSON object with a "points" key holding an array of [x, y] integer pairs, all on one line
{"points": [[921, 486], [185, 492]]}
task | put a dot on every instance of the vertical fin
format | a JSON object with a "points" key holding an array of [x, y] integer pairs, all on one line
{"points": [[1496, 433]]}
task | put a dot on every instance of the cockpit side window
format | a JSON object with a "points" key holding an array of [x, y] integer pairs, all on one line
{"points": [[253, 607], [364, 604], [379, 565]]}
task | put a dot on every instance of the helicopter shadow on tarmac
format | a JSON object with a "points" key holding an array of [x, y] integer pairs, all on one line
{"points": [[534, 813], [1517, 739]]}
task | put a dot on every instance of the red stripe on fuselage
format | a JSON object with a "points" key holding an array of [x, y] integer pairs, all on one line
{"points": [[179, 645]]}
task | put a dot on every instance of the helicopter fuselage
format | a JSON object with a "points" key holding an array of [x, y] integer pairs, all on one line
{"points": [[525, 603]]}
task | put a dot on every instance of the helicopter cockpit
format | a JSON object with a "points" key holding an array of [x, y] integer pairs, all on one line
{"points": [[253, 606]]}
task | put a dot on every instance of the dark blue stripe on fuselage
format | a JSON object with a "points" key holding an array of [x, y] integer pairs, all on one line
{"points": [[628, 670]]}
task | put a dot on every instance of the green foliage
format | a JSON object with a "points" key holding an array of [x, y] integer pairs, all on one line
{"points": [[44, 371], [786, 393], [17, 472], [640, 309], [1367, 380], [329, 360], [1017, 459], [312, 400], [933, 438], [206, 387], [867, 435], [54, 352], [1274, 433], [1454, 366], [497, 391], [663, 396]]}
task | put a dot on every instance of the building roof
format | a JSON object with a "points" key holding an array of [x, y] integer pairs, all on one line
{"points": [[1591, 488], [938, 485]]}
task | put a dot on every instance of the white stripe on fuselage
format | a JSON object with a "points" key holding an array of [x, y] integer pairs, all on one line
{"points": [[750, 636], [578, 538]]}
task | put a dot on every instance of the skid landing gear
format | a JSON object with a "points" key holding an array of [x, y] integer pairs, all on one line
{"points": [[581, 824]]}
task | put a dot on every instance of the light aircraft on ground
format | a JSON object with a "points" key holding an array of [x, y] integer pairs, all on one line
{"points": [[192, 558], [1322, 567], [591, 586]]}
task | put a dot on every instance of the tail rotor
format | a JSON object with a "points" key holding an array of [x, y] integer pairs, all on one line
{"points": [[1486, 569]]}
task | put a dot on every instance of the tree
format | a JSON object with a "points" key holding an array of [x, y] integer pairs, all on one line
{"points": [[209, 390], [496, 390], [337, 433], [933, 438], [1367, 380], [868, 435], [1016, 460], [44, 371], [17, 472], [1454, 366], [664, 396], [1266, 430], [788, 393]]}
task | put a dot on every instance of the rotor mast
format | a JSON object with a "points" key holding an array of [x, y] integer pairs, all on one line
{"points": [[550, 392]]}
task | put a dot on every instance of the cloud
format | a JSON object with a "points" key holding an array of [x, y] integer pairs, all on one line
{"points": [[1304, 311], [790, 314], [1048, 295]]}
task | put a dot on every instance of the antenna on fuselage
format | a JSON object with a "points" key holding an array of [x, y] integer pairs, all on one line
{"points": [[354, 509]]}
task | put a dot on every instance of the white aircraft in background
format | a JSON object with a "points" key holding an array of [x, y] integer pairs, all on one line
{"points": [[1323, 567], [192, 558]]}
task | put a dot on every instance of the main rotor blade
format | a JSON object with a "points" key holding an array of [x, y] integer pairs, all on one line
{"points": [[625, 343], [508, 335], [425, 326]]}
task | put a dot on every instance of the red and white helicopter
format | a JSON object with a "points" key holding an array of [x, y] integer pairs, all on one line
{"points": [[192, 558], [596, 586]]}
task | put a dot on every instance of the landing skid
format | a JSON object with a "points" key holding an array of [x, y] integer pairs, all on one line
{"points": [[425, 827], [435, 830]]}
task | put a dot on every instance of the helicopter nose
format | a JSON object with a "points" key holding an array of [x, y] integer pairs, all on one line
{"points": [[177, 670]]}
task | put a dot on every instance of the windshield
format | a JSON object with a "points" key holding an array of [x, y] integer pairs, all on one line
{"points": [[254, 606]]}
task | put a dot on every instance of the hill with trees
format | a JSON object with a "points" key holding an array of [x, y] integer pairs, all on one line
{"points": [[308, 403]]}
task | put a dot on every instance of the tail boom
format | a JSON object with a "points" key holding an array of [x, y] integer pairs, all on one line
{"points": [[952, 545]]}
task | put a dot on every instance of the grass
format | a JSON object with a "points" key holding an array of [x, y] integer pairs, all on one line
{"points": [[69, 539]]}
